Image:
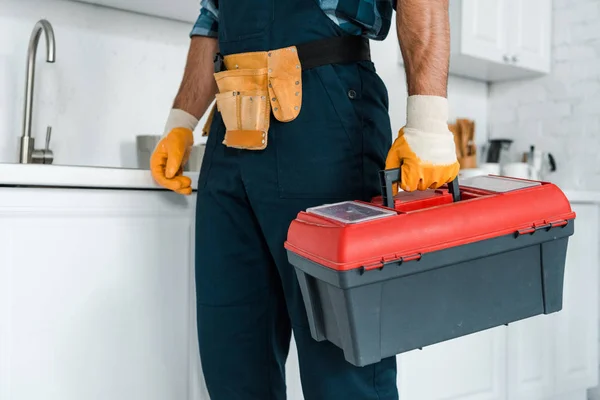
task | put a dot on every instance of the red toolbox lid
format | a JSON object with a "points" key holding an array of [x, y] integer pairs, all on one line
{"points": [[349, 235]]}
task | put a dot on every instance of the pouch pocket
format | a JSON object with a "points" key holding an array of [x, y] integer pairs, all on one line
{"points": [[254, 111], [242, 80], [246, 117], [227, 106]]}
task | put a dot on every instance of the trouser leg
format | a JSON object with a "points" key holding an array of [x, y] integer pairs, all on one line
{"points": [[332, 152], [243, 326]]}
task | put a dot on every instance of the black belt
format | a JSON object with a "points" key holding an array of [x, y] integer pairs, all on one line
{"points": [[333, 50]]}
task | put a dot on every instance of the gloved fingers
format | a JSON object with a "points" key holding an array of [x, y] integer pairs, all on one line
{"points": [[423, 184], [184, 191], [178, 144], [174, 163], [392, 160], [445, 175], [186, 183], [176, 184], [158, 160], [436, 185], [409, 179]]}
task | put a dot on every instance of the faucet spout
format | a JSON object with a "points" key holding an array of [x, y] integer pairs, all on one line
{"points": [[50, 42], [41, 26]]}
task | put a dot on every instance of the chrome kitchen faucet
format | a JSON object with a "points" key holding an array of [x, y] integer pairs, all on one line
{"points": [[28, 154]]}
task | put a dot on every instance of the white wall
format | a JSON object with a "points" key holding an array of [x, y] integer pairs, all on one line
{"points": [[116, 74], [115, 77], [560, 113]]}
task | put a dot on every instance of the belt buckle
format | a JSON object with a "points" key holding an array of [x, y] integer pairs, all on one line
{"points": [[219, 63]]}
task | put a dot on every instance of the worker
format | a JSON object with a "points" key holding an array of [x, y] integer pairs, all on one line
{"points": [[300, 119]]}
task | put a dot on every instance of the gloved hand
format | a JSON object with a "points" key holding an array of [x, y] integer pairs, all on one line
{"points": [[425, 149], [173, 151]]}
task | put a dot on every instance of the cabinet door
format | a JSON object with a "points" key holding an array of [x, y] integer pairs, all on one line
{"points": [[529, 358], [576, 342], [483, 29], [93, 305], [530, 34], [472, 367]]}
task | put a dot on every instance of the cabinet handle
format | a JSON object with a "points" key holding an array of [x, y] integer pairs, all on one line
{"points": [[515, 59], [506, 58]]}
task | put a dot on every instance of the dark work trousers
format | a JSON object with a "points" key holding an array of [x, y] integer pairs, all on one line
{"points": [[248, 298]]}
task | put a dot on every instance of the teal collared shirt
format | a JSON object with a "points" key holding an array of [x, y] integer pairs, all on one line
{"points": [[369, 18]]}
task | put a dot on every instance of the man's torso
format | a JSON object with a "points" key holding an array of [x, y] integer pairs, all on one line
{"points": [[369, 18]]}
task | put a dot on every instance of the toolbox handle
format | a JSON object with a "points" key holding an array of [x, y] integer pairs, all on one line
{"points": [[390, 176]]}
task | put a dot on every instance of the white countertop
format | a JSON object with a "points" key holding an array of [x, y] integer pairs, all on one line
{"points": [[582, 196], [128, 178], [80, 177]]}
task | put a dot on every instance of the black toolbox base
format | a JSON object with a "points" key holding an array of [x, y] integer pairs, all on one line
{"points": [[403, 312]]}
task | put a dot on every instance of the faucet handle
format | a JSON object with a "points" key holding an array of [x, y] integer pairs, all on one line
{"points": [[44, 156], [48, 136]]}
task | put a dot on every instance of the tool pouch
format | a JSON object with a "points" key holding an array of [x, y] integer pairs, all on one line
{"points": [[253, 86], [209, 120]]}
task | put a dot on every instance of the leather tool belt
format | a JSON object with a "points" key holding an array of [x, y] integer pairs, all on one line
{"points": [[253, 85]]}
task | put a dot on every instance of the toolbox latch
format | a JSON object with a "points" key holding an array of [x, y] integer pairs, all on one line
{"points": [[546, 227], [395, 260]]}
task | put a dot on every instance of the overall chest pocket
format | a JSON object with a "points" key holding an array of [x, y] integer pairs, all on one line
{"points": [[242, 19]]}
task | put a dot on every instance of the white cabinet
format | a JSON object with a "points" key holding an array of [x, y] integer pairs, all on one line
{"points": [[96, 287], [482, 28], [471, 367], [96, 295], [180, 10], [576, 341], [557, 355], [529, 358], [495, 40], [529, 34], [548, 357]]}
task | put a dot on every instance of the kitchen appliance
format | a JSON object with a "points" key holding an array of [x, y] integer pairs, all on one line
{"points": [[470, 172], [517, 170], [497, 151], [491, 168], [407, 271], [483, 169], [540, 163]]}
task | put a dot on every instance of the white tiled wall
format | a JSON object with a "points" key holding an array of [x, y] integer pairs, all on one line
{"points": [[560, 113], [116, 74]]}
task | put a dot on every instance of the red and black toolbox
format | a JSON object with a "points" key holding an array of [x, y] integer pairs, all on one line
{"points": [[400, 273]]}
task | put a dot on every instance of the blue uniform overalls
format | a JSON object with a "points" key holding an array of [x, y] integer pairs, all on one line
{"points": [[248, 298]]}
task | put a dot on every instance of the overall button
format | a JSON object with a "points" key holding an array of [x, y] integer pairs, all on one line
{"points": [[352, 93]]}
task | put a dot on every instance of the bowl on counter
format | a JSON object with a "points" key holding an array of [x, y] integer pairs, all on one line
{"points": [[145, 145], [195, 161]]}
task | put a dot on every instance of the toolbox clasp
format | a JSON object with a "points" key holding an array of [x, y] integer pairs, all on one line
{"points": [[535, 228], [394, 259]]}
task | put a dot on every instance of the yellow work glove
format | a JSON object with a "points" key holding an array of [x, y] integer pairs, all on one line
{"points": [[173, 151], [425, 149]]}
